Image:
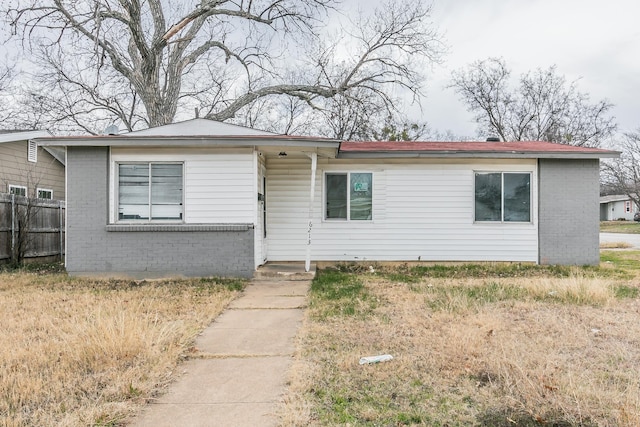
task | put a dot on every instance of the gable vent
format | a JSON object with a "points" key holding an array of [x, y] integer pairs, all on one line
{"points": [[32, 154]]}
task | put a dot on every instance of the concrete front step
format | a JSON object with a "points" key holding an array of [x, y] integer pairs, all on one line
{"points": [[284, 271]]}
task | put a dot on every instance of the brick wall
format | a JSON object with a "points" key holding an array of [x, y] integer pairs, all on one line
{"points": [[569, 212], [95, 248]]}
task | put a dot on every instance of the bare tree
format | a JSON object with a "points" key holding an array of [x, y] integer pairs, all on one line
{"points": [[543, 106], [123, 60], [6, 74], [353, 117], [622, 175], [7, 113], [359, 117]]}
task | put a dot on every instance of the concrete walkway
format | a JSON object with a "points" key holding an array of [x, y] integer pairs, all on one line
{"points": [[238, 375]]}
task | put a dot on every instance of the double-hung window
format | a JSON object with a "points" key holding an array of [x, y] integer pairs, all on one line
{"points": [[45, 193], [18, 190], [348, 196], [503, 197], [150, 191]]}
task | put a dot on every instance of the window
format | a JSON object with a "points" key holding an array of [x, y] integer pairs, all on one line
{"points": [[18, 190], [32, 151], [348, 196], [150, 191], [44, 193], [627, 206], [503, 196]]}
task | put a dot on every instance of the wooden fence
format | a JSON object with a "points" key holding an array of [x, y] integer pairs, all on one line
{"points": [[44, 237]]}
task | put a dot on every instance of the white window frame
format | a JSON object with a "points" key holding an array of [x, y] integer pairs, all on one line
{"points": [[502, 173], [116, 198], [38, 190], [348, 174], [20, 187], [32, 151]]}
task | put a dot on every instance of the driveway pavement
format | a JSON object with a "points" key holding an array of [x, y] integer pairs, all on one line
{"points": [[632, 239]]}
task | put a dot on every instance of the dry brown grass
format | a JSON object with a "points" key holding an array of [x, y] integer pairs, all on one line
{"points": [[525, 351], [80, 352], [615, 245]]}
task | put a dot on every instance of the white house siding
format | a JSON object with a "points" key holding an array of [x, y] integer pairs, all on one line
{"points": [[219, 185], [617, 210], [421, 211]]}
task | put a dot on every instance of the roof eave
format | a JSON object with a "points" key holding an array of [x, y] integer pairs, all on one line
{"points": [[472, 154], [24, 135], [191, 141]]}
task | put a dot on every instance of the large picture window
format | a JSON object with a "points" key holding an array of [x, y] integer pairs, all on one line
{"points": [[348, 196], [150, 191], [503, 196]]}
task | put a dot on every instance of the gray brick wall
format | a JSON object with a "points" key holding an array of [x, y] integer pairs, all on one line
{"points": [[568, 212], [94, 248]]}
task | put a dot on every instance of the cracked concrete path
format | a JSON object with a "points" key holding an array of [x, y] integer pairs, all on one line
{"points": [[238, 375]]}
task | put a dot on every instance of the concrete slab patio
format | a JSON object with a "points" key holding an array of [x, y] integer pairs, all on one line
{"points": [[238, 375]]}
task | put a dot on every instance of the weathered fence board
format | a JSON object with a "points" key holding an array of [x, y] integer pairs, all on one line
{"points": [[44, 226]]}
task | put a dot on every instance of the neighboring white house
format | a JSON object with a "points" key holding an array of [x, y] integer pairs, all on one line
{"points": [[206, 198], [617, 207]]}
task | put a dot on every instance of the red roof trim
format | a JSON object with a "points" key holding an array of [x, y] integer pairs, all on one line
{"points": [[471, 147]]}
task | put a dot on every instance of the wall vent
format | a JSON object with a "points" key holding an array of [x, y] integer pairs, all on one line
{"points": [[32, 154]]}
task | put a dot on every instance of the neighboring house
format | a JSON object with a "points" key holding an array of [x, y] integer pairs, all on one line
{"points": [[617, 207], [29, 170], [206, 198]]}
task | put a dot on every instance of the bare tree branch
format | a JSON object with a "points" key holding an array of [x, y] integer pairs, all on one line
{"points": [[622, 175], [239, 49], [542, 107]]}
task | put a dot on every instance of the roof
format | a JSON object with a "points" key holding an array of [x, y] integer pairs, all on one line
{"points": [[614, 198], [199, 127], [27, 135], [194, 133], [210, 133], [22, 135], [520, 149], [128, 140]]}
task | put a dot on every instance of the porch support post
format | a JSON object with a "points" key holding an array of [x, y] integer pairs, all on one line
{"points": [[314, 163]]}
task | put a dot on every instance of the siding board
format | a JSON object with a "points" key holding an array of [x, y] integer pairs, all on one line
{"points": [[420, 211], [219, 185]]}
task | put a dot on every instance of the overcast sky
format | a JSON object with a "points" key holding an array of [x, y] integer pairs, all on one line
{"points": [[597, 42]]}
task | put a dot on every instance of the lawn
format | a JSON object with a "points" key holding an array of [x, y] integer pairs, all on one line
{"points": [[80, 352], [473, 345], [629, 227], [476, 345]]}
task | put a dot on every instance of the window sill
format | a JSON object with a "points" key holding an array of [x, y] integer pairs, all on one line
{"points": [[496, 223], [177, 227]]}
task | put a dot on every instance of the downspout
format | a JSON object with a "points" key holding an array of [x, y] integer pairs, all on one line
{"points": [[314, 163]]}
